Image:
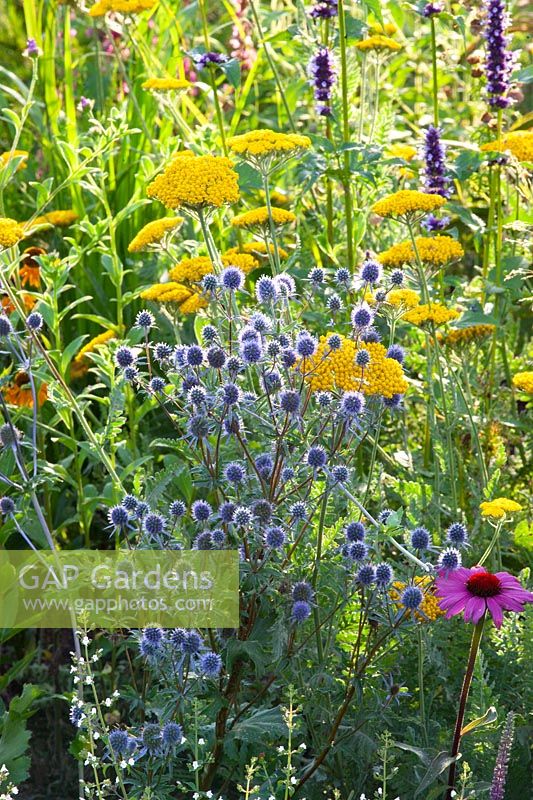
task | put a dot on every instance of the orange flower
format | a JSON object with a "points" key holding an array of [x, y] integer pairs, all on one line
{"points": [[30, 272], [18, 392], [26, 299]]}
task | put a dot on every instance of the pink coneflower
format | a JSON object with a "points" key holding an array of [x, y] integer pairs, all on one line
{"points": [[476, 591]]}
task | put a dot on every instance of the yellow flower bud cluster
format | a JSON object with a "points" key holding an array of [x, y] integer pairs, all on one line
{"points": [[435, 313], [152, 233], [407, 201], [337, 369], [430, 605], [436, 250], [196, 182]]}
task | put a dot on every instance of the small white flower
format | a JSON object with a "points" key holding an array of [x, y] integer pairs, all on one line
{"points": [[89, 680], [85, 641], [195, 764], [201, 741]]}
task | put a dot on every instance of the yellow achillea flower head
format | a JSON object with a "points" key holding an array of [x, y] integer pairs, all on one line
{"points": [[405, 298], [337, 369], [378, 42], [193, 304], [405, 151], [11, 232], [465, 336], [102, 7], [407, 201], [435, 313], [165, 84], [59, 219], [153, 233], [192, 270], [6, 157], [257, 248], [262, 144], [170, 292], [80, 364], [196, 182], [519, 143], [389, 28], [436, 250], [258, 217], [524, 382], [430, 609], [499, 507], [279, 198]]}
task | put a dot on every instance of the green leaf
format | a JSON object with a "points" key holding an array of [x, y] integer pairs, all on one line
{"points": [[490, 715], [16, 668], [232, 71], [261, 726], [375, 7], [523, 535], [440, 763], [524, 75]]}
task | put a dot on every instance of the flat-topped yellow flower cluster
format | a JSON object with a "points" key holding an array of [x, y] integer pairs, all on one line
{"points": [[436, 250], [429, 609], [434, 312], [499, 507], [256, 248], [519, 143], [407, 201], [80, 363], [465, 336], [337, 369], [153, 233], [258, 217], [59, 219], [165, 84], [192, 270], [524, 381], [196, 182], [265, 142], [121, 6], [378, 42], [11, 232]]}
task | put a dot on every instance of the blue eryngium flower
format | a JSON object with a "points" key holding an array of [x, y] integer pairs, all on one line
{"points": [[172, 734], [211, 664]]}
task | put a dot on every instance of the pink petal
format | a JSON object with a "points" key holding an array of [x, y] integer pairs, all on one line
{"points": [[510, 603], [495, 611], [452, 599], [474, 609], [456, 607], [508, 580]]}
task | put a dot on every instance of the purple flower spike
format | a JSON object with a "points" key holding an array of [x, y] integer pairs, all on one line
{"points": [[499, 778], [432, 9], [202, 60], [322, 73], [436, 179], [499, 60], [324, 9]]}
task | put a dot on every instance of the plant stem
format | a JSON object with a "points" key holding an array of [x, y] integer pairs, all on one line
{"points": [[277, 262], [474, 647], [422, 704], [435, 73], [348, 204]]}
